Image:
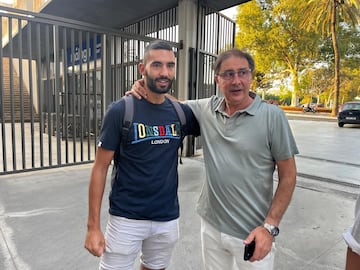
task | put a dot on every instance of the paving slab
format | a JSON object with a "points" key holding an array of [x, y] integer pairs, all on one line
{"points": [[43, 214], [43, 222]]}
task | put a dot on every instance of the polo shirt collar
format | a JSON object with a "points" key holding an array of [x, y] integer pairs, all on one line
{"points": [[252, 109]]}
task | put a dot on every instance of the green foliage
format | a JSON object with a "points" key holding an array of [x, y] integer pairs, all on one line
{"points": [[270, 31], [292, 39], [318, 14], [316, 85], [285, 95], [350, 84], [349, 46], [324, 16]]}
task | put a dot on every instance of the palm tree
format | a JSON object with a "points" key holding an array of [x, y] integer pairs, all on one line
{"points": [[324, 16]]}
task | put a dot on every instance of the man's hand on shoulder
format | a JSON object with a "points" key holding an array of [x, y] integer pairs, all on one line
{"points": [[137, 90]]}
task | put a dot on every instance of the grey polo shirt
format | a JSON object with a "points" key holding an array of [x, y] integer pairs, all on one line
{"points": [[240, 153]]}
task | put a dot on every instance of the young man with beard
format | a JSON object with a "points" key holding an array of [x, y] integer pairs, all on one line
{"points": [[144, 208], [244, 140]]}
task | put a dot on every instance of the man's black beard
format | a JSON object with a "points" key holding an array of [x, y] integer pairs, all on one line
{"points": [[151, 84]]}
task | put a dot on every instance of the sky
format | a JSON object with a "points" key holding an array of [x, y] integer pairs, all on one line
{"points": [[230, 12]]}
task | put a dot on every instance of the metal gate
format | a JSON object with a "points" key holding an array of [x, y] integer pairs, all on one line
{"points": [[59, 75], [57, 78], [216, 34]]}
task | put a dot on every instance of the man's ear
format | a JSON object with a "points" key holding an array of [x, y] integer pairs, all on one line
{"points": [[216, 79], [141, 68]]}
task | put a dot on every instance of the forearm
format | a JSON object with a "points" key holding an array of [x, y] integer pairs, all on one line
{"points": [[284, 192], [96, 191]]}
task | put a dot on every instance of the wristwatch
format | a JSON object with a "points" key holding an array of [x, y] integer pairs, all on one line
{"points": [[273, 230]]}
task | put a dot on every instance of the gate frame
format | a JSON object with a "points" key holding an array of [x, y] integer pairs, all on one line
{"points": [[116, 69]]}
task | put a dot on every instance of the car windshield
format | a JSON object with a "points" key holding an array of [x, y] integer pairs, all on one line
{"points": [[351, 106]]}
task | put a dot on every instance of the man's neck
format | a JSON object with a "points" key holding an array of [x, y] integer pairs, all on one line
{"points": [[232, 108], [155, 98]]}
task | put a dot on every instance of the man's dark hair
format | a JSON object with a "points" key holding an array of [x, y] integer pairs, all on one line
{"points": [[233, 52], [157, 45]]}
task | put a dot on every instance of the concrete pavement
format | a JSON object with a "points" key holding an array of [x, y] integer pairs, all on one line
{"points": [[43, 218]]}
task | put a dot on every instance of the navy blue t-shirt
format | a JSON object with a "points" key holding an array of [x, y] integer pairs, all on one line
{"points": [[145, 176]]}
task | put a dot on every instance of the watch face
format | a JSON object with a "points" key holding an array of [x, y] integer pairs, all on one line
{"points": [[275, 231]]}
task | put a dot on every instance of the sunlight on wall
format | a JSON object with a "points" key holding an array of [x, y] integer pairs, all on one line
{"points": [[7, 2], [30, 5]]}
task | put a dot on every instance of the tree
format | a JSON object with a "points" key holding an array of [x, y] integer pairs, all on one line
{"points": [[323, 16], [270, 31], [316, 83]]}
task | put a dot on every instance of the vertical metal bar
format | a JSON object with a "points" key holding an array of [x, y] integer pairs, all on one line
{"points": [[60, 128], [126, 67], [119, 68], [2, 110], [114, 76], [172, 25], [149, 27], [202, 29], [65, 96], [141, 28], [205, 32], [199, 36], [217, 33], [95, 91], [227, 32], [21, 89], [81, 105], [88, 94], [175, 22], [40, 93], [121, 65], [74, 93], [105, 72], [164, 26], [160, 29], [48, 87], [133, 76], [207, 40], [233, 33], [168, 25], [214, 33], [31, 93], [221, 32], [105, 75], [136, 59], [12, 111]]}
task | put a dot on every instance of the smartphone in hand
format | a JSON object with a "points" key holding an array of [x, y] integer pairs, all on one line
{"points": [[249, 250]]}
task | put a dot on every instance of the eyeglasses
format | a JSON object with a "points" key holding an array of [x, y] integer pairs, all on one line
{"points": [[230, 74]]}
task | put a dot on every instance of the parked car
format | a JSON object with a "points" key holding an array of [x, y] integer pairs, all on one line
{"points": [[349, 113]]}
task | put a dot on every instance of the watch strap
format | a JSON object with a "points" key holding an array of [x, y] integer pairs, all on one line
{"points": [[272, 229]]}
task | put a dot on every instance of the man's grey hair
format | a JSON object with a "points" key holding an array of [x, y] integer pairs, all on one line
{"points": [[236, 53]]}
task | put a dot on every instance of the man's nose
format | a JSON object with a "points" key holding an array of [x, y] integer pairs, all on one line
{"points": [[164, 71], [237, 79]]}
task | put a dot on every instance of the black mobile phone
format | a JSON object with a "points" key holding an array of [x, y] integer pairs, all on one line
{"points": [[249, 250]]}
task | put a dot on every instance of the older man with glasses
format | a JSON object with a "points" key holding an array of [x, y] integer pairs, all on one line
{"points": [[244, 140]]}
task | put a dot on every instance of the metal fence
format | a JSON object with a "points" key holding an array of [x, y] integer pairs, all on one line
{"points": [[58, 77]]}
